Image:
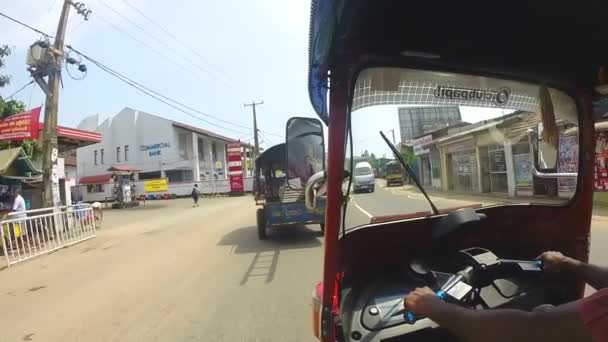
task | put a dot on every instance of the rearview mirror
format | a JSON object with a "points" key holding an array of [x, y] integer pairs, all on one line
{"points": [[546, 153], [545, 156], [315, 187], [305, 150]]}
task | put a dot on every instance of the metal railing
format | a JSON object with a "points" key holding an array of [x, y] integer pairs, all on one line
{"points": [[31, 233]]}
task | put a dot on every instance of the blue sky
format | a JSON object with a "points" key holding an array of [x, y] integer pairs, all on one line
{"points": [[253, 50]]}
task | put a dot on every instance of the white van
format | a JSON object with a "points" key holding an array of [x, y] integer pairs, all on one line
{"points": [[363, 178]]}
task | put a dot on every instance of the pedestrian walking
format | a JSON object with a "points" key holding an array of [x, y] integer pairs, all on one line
{"points": [[195, 195]]}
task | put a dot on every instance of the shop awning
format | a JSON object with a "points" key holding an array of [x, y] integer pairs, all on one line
{"points": [[15, 162], [97, 179], [123, 168]]}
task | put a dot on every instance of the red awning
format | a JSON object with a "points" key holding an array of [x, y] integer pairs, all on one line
{"points": [[97, 179], [123, 168]]}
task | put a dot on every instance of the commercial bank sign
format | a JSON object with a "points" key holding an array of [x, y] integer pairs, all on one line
{"points": [[154, 150]]}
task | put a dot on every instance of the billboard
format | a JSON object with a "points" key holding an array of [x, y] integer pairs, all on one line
{"points": [[21, 126], [420, 145], [156, 185], [235, 168]]}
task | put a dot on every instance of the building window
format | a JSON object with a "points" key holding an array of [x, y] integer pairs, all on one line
{"points": [[95, 157], [179, 175], [126, 152], [101, 154], [183, 145], [201, 150], [149, 175], [94, 188], [213, 151], [118, 154]]}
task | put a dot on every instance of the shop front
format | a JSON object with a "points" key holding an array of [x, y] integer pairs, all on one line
{"points": [[497, 168], [422, 150], [462, 167], [18, 174]]}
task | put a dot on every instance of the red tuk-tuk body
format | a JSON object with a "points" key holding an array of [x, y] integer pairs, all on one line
{"points": [[521, 41]]}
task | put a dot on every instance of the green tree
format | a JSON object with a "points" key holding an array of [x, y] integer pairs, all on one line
{"points": [[408, 155], [5, 51], [11, 107]]}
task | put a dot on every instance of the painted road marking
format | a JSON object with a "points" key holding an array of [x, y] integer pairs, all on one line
{"points": [[362, 210]]}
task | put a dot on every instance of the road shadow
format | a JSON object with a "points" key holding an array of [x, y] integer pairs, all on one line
{"points": [[266, 252], [245, 240]]}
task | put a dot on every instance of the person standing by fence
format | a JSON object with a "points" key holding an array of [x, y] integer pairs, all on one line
{"points": [[195, 195]]}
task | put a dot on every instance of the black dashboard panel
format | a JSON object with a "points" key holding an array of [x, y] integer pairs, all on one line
{"points": [[370, 304]]}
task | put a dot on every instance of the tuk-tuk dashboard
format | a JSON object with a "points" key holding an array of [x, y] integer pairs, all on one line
{"points": [[373, 307], [473, 277]]}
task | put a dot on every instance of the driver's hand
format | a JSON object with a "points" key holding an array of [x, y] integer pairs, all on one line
{"points": [[556, 261], [421, 301]]}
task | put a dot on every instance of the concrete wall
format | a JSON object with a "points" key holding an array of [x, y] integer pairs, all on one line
{"points": [[136, 130], [141, 132], [178, 188]]}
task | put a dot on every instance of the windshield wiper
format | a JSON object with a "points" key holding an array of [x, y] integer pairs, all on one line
{"points": [[409, 171]]}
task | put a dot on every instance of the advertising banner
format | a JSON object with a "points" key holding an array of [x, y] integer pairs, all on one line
{"points": [[601, 161], [21, 126], [235, 168], [568, 161], [420, 145], [523, 169], [156, 185]]}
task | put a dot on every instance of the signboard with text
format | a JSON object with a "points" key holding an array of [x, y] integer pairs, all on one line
{"points": [[235, 168], [156, 185], [21, 126], [420, 145]]}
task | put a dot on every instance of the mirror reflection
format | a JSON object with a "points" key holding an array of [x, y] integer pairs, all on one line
{"points": [[305, 152]]}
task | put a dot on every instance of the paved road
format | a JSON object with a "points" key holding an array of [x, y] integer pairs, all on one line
{"points": [[391, 201], [169, 272]]}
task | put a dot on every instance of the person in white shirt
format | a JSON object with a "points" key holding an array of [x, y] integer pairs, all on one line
{"points": [[18, 212], [18, 206]]}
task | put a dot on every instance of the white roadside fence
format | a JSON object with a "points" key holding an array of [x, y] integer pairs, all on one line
{"points": [[31, 233]]}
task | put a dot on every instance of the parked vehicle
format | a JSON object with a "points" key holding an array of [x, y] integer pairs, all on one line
{"points": [[394, 173], [364, 178], [377, 54], [281, 173]]}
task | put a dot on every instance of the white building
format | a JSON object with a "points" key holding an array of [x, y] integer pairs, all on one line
{"points": [[157, 148]]}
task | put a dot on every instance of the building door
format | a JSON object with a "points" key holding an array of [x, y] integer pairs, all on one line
{"points": [[498, 168], [464, 171], [425, 163]]}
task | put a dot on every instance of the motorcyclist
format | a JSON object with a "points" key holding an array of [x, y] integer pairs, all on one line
{"points": [[581, 320]]}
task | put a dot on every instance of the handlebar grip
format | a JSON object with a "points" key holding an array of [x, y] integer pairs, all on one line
{"points": [[411, 318]]}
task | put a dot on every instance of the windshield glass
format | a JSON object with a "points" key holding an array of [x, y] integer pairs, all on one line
{"points": [[363, 171], [393, 168], [467, 139]]}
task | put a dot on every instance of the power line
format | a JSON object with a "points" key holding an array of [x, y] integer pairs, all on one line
{"points": [[158, 40], [146, 45], [20, 89], [268, 140], [166, 31], [25, 25], [152, 93], [116, 74]]}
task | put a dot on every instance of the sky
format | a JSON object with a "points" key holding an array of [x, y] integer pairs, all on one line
{"points": [[216, 56], [226, 53]]}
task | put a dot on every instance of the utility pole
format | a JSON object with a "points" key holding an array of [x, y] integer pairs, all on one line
{"points": [[393, 132], [50, 65], [255, 127]]}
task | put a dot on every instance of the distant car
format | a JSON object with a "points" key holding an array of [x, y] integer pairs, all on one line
{"points": [[364, 178]]}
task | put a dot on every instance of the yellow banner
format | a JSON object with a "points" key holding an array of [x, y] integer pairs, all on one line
{"points": [[156, 185]]}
